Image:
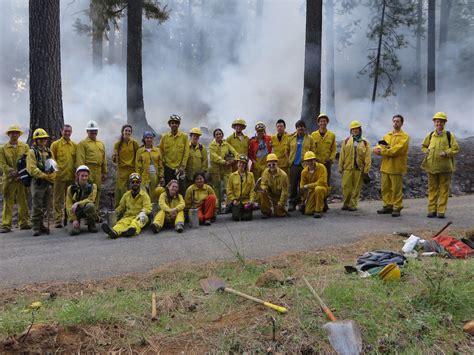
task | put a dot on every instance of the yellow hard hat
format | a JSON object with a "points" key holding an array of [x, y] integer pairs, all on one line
{"points": [[239, 121], [13, 128], [440, 116], [259, 126], [309, 156], [272, 157], [40, 133], [391, 272], [355, 124], [322, 115], [195, 130]]}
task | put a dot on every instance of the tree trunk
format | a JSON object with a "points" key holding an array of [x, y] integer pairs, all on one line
{"points": [[330, 85], [431, 86], [312, 63], [97, 35], [6, 52], [135, 105], [419, 29], [443, 38], [123, 36], [111, 58], [46, 106], [379, 52]]}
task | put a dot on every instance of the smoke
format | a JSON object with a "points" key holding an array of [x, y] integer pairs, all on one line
{"points": [[243, 65]]}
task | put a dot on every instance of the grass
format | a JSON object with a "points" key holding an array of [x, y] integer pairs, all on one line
{"points": [[423, 313]]}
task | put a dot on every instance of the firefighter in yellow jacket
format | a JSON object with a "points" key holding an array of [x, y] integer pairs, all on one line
{"points": [[241, 191], [273, 189], [91, 152], [440, 147], [197, 161], [43, 171], [238, 140], [134, 208], [394, 152], [280, 145], [13, 189], [80, 202], [64, 153], [171, 209], [125, 150], [149, 165], [354, 164], [314, 185]]}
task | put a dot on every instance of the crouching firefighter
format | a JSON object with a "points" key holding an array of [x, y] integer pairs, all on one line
{"points": [[80, 202], [133, 210], [314, 183], [241, 191], [171, 209], [43, 172]]}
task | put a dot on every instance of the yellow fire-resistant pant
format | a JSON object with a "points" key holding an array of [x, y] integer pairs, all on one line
{"points": [[392, 190], [438, 191], [351, 186], [121, 185], [153, 189], [315, 199], [219, 184], [266, 202], [14, 190], [163, 217], [95, 177], [127, 222], [59, 192]]}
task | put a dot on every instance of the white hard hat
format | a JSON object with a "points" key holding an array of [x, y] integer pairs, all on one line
{"points": [[50, 165], [92, 126], [82, 168]]}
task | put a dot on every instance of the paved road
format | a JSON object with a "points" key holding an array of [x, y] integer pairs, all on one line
{"points": [[24, 259]]}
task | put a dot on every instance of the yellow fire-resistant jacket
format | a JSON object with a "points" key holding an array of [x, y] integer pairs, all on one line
{"points": [[325, 146], [280, 148], [9, 156], [363, 157], [92, 154], [33, 166], [433, 163], [125, 158], [143, 161], [276, 185], [308, 145], [199, 195], [197, 160], [319, 177], [395, 156], [64, 152], [174, 150], [234, 187], [167, 206], [131, 207], [239, 143], [81, 197], [218, 155]]}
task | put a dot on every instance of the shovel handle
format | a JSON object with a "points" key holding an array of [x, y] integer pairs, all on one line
{"points": [[257, 300], [323, 306], [442, 229]]}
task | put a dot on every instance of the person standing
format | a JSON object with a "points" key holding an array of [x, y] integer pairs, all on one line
{"points": [[13, 189], [91, 152], [259, 147], [241, 191], [354, 163], [298, 144], [197, 161], [314, 184], [64, 153], [394, 152], [43, 177], [174, 147], [125, 151], [440, 147], [280, 145], [238, 140], [273, 189]]}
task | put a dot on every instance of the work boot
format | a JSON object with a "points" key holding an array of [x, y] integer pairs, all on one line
{"points": [[207, 222], [265, 216], [302, 208], [179, 228], [5, 230], [109, 231], [291, 207], [155, 228], [25, 226], [36, 232], [385, 210], [326, 206], [317, 215], [75, 231], [92, 228], [345, 208], [58, 225], [396, 213], [43, 229], [431, 215], [130, 232], [351, 209], [440, 215]]}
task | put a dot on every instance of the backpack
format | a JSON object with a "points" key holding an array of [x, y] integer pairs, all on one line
{"points": [[448, 134], [454, 247], [25, 178]]}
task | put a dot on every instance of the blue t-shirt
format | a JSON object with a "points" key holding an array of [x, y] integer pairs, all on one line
{"points": [[299, 149]]}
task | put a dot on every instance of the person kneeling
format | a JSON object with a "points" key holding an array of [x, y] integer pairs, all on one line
{"points": [[241, 191], [80, 202], [201, 196], [314, 183], [273, 189], [134, 206], [171, 209]]}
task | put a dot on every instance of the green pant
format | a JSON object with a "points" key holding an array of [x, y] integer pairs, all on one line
{"points": [[88, 212], [40, 196]]}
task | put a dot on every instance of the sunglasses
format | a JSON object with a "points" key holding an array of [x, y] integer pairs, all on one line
{"points": [[271, 164]]}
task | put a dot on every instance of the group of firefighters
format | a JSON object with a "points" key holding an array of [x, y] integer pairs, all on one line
{"points": [[277, 174]]}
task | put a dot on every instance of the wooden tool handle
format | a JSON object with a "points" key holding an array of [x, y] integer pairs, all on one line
{"points": [[321, 303], [257, 300], [442, 229]]}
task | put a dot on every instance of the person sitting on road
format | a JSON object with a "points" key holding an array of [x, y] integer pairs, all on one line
{"points": [[134, 207], [171, 209], [314, 184], [273, 189], [201, 196], [241, 191], [80, 202]]}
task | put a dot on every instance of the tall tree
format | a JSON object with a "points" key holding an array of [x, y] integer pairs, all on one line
{"points": [[431, 87], [312, 63], [46, 105], [419, 35], [445, 12], [330, 85], [98, 23]]}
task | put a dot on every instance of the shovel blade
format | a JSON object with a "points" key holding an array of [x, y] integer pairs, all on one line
{"points": [[344, 336], [212, 284]]}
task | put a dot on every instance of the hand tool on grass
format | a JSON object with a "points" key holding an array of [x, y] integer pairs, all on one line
{"points": [[344, 335], [216, 284], [442, 229]]}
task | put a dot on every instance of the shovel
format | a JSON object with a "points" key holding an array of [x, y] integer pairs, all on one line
{"points": [[344, 335], [217, 284]]}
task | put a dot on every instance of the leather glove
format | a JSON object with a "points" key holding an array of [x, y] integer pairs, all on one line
{"points": [[142, 217]]}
